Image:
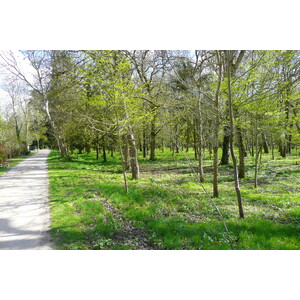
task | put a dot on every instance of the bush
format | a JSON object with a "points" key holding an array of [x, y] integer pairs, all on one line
{"points": [[3, 154]]}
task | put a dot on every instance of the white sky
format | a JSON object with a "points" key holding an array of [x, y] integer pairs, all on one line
{"points": [[25, 67]]}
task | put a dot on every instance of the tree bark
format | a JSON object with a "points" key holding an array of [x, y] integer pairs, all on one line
{"points": [[241, 149], [257, 150], [104, 149], [195, 140], [153, 138], [235, 169], [265, 144], [126, 153], [216, 130], [144, 143], [135, 170], [200, 148], [225, 147]]}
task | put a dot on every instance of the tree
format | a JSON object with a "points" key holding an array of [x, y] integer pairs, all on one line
{"points": [[219, 70], [117, 94], [49, 68], [150, 68], [232, 128]]}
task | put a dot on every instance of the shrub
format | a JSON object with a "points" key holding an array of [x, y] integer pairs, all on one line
{"points": [[3, 153]]}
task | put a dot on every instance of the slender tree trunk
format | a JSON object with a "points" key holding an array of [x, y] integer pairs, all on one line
{"points": [[260, 158], [135, 170], [121, 154], [282, 148], [195, 140], [272, 147], [126, 153], [216, 161], [131, 149], [200, 148], [235, 169], [104, 149], [265, 144], [187, 137], [123, 168], [241, 153], [216, 131], [289, 143], [176, 143], [144, 144], [153, 138], [225, 147], [256, 162]]}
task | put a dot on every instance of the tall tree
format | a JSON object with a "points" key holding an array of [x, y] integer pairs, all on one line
{"points": [[232, 130]]}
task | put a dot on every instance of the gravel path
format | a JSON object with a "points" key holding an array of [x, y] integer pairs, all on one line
{"points": [[24, 207]]}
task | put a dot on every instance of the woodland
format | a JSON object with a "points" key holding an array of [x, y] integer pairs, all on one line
{"points": [[161, 149]]}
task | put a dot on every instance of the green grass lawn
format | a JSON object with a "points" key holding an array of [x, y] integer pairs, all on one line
{"points": [[168, 209]]}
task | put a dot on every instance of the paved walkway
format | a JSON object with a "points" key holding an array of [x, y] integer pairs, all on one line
{"points": [[24, 207]]}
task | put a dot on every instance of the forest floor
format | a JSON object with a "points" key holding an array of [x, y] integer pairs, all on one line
{"points": [[168, 209]]}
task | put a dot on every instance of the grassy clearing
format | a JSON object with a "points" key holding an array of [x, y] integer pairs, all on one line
{"points": [[14, 161], [168, 209]]}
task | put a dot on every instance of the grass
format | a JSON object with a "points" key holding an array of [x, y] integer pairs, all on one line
{"points": [[13, 162], [168, 209]]}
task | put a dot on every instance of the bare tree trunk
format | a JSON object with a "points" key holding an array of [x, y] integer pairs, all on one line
{"points": [[135, 170], [200, 148], [121, 154], [257, 150], [216, 130], [153, 139], [195, 139], [272, 147], [235, 169], [187, 137], [225, 147], [104, 149], [97, 152], [126, 153], [241, 148], [144, 142], [265, 144]]}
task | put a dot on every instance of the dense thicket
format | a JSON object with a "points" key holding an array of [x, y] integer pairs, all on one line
{"points": [[233, 103]]}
